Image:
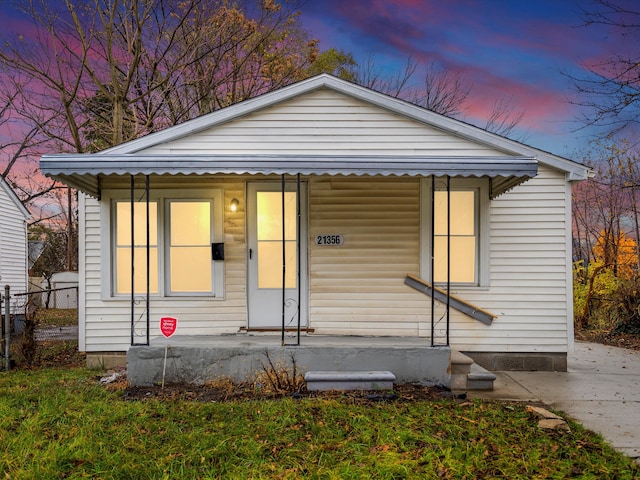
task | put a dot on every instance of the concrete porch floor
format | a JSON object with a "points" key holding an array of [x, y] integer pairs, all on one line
{"points": [[199, 359]]}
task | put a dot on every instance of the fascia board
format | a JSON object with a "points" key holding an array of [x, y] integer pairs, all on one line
{"points": [[14, 198]]}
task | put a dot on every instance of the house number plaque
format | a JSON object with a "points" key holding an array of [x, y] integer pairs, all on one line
{"points": [[329, 240]]}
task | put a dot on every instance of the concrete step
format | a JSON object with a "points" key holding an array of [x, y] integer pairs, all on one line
{"points": [[460, 363], [467, 375], [349, 380], [480, 378]]}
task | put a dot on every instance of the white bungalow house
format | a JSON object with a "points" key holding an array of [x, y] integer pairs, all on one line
{"points": [[371, 189], [13, 243]]}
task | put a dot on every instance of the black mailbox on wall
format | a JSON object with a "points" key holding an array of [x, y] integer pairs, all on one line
{"points": [[217, 251]]}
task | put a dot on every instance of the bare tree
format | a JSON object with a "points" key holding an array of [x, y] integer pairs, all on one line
{"points": [[604, 208], [19, 145], [443, 91], [505, 118], [104, 72], [440, 91], [610, 90], [369, 75]]}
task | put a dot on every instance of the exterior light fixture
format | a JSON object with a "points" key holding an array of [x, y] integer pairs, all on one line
{"points": [[234, 205]]}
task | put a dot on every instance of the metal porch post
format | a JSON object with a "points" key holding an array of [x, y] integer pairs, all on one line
{"points": [[7, 327], [148, 261], [133, 240], [433, 241], [284, 263], [146, 194], [298, 252], [448, 252]]}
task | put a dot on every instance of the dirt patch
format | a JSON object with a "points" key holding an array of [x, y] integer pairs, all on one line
{"points": [[621, 340]]}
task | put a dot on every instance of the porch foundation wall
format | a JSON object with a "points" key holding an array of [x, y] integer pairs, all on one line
{"points": [[199, 365], [527, 362], [106, 360]]}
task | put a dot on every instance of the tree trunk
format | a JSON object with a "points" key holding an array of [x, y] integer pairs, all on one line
{"points": [[583, 319]]}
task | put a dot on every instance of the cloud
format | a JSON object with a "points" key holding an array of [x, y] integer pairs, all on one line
{"points": [[504, 49]]}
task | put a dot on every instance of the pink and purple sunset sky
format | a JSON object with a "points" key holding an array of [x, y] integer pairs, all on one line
{"points": [[512, 48]]}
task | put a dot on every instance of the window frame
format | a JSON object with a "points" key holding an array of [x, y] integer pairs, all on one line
{"points": [[167, 250], [482, 205], [114, 247], [162, 197]]}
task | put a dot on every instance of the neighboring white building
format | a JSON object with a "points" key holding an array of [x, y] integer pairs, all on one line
{"points": [[65, 286], [366, 163], [13, 242]]}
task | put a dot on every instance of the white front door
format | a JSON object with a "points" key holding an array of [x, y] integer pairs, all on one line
{"points": [[267, 279]]}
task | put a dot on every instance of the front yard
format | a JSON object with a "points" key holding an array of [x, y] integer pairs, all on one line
{"points": [[64, 424]]}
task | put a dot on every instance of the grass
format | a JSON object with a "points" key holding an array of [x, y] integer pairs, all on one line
{"points": [[63, 424], [56, 316]]}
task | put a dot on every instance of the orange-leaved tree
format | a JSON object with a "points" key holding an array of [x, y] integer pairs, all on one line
{"points": [[599, 285], [618, 252]]}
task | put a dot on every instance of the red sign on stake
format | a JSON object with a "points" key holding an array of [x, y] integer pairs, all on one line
{"points": [[168, 326]]}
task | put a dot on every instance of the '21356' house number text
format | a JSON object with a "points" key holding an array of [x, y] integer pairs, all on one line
{"points": [[329, 240]]}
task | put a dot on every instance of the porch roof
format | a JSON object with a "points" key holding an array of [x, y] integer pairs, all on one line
{"points": [[83, 171]]}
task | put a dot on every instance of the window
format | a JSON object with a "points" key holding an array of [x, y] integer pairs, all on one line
{"points": [[189, 252], [123, 247], [462, 236], [466, 235], [181, 233]]}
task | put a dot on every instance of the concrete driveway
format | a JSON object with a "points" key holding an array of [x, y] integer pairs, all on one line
{"points": [[600, 390]]}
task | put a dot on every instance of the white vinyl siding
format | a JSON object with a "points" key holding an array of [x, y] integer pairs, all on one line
{"points": [[13, 245], [529, 261], [358, 288], [107, 322], [324, 122]]}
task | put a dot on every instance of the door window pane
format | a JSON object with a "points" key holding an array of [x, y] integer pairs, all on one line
{"points": [[269, 229], [270, 264], [269, 206]]}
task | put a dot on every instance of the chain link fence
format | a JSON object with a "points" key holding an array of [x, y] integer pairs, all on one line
{"points": [[42, 326]]}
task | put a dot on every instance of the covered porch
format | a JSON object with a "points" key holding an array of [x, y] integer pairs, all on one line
{"points": [[417, 354]]}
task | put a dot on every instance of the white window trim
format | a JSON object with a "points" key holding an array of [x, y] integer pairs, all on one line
{"points": [[481, 185], [160, 196]]}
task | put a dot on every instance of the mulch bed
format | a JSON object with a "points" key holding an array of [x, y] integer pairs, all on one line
{"points": [[621, 340], [226, 392]]}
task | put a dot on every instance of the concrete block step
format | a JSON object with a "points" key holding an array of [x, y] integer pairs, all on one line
{"points": [[458, 381], [460, 363], [349, 380], [480, 378], [467, 375]]}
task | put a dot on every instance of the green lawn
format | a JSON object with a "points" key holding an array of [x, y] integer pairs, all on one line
{"points": [[57, 316], [58, 423]]}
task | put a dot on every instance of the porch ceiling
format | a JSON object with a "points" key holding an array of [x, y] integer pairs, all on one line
{"points": [[83, 171]]}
